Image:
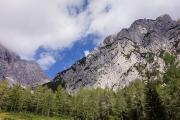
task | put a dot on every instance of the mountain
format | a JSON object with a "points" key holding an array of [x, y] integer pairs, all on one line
{"points": [[16, 70], [133, 53]]}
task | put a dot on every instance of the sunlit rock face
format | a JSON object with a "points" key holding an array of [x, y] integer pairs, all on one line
{"points": [[126, 56], [18, 71]]}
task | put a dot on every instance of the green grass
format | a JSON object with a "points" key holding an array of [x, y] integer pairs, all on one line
{"points": [[28, 116]]}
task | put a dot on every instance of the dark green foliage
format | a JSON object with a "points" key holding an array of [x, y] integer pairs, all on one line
{"points": [[95, 104], [62, 102], [83, 61], [169, 59], [55, 83], [154, 107], [172, 73], [161, 53], [170, 87], [4, 95], [119, 108], [134, 97]]}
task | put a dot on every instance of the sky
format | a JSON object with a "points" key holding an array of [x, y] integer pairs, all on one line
{"points": [[56, 33]]}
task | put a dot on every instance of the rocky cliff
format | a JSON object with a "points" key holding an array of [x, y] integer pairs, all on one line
{"points": [[18, 71], [126, 56]]}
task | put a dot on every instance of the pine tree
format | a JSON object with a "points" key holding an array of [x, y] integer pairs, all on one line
{"points": [[135, 100], [25, 97], [48, 102], [105, 105], [14, 97], [120, 105], [171, 83], [62, 102], [85, 105], [4, 95], [38, 99], [155, 110]]}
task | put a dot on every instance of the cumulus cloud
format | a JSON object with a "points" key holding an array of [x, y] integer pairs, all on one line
{"points": [[122, 13], [86, 53], [26, 25], [46, 61]]}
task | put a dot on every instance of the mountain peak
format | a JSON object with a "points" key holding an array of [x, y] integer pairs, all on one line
{"points": [[165, 18], [18, 71], [7, 55], [125, 57]]}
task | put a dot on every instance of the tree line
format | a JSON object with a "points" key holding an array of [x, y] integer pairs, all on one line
{"points": [[142, 100]]}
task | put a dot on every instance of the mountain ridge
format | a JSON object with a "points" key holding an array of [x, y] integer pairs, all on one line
{"points": [[126, 56], [19, 71]]}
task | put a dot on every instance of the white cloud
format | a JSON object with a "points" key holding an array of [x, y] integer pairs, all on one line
{"points": [[123, 12], [46, 61], [26, 25], [86, 53]]}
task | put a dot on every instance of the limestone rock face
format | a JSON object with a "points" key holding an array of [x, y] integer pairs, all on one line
{"points": [[18, 71], [126, 56]]}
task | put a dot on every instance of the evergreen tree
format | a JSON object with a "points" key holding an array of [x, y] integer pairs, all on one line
{"points": [[135, 100], [171, 82], [48, 104], [119, 106], [85, 105], [4, 95], [62, 102], [105, 105], [155, 110], [38, 99], [25, 98], [14, 98]]}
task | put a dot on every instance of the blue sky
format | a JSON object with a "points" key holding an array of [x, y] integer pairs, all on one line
{"points": [[70, 55], [56, 33]]}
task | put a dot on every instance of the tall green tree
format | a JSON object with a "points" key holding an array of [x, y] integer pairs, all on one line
{"points": [[119, 105], [14, 97], [63, 102], [38, 99], [105, 104], [155, 110], [25, 97], [171, 85], [48, 104], [4, 95], [85, 104], [134, 95]]}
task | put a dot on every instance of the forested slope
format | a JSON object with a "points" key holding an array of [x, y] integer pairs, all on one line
{"points": [[155, 98]]}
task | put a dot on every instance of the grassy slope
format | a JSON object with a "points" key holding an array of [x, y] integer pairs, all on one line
{"points": [[27, 116]]}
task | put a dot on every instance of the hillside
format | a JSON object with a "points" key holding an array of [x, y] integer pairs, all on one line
{"points": [[18, 71], [125, 56]]}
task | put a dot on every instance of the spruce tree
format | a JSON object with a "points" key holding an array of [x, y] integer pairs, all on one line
{"points": [[62, 102], [171, 83], [4, 95], [154, 108]]}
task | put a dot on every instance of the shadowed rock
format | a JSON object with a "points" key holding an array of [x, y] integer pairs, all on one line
{"points": [[18, 71]]}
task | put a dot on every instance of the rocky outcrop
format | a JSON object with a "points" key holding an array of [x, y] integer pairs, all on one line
{"points": [[18, 71], [126, 56]]}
